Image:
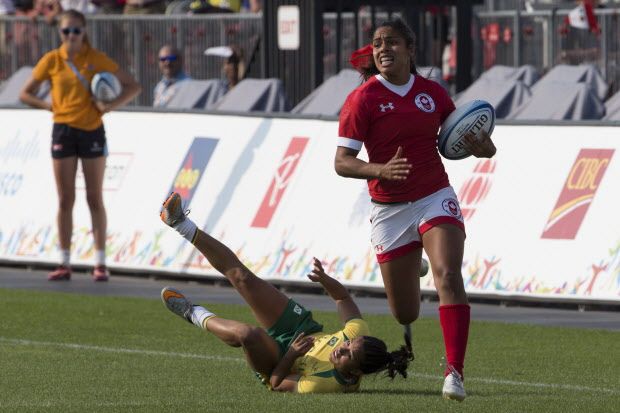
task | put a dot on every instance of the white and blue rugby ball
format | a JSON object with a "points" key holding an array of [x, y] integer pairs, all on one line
{"points": [[105, 87], [472, 117]]}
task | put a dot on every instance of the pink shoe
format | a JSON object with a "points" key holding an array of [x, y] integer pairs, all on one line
{"points": [[61, 273], [100, 273]]}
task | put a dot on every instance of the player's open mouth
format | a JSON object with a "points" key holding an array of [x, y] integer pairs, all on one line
{"points": [[386, 61]]}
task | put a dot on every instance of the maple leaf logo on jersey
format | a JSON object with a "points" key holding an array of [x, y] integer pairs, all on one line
{"points": [[425, 103], [389, 106]]}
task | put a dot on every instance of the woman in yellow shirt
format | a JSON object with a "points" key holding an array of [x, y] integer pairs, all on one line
{"points": [[78, 130], [289, 352]]}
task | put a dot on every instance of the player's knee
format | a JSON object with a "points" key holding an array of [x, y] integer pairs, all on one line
{"points": [[66, 201], [249, 335], [406, 316], [239, 277], [447, 278], [94, 201]]}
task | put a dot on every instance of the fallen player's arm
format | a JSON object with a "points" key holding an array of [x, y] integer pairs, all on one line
{"points": [[281, 378], [347, 309]]}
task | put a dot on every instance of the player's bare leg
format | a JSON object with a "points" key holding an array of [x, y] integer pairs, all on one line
{"points": [[402, 285], [266, 301], [64, 173], [94, 170], [261, 351]]}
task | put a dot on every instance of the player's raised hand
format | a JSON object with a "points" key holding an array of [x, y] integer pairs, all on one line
{"points": [[480, 146], [397, 168], [318, 273]]}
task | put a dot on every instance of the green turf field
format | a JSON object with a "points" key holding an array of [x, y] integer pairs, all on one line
{"points": [[61, 353]]}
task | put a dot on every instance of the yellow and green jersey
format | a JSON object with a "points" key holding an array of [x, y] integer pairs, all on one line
{"points": [[317, 372]]}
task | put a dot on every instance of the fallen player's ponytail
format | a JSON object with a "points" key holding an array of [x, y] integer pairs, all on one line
{"points": [[377, 358]]}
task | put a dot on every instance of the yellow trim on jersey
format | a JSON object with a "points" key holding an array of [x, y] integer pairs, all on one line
{"points": [[317, 372]]}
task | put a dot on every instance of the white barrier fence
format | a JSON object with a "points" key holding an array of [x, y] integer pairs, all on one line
{"points": [[541, 216]]}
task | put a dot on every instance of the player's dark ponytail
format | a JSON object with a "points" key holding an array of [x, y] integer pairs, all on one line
{"points": [[362, 59], [377, 358]]}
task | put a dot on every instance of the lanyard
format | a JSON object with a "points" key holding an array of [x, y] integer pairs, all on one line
{"points": [[79, 75]]}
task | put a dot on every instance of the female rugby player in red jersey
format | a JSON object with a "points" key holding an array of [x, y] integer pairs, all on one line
{"points": [[396, 115]]}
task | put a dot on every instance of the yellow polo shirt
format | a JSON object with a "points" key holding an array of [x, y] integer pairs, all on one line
{"points": [[72, 103]]}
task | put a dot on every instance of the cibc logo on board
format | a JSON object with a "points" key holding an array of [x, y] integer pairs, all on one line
{"points": [[281, 178], [579, 189], [192, 168]]}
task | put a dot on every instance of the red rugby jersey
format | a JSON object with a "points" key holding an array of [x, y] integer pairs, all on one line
{"points": [[382, 117]]}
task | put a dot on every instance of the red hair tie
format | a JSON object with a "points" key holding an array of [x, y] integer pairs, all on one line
{"points": [[362, 58]]}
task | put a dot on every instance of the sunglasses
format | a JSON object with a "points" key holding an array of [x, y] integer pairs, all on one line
{"points": [[74, 30], [171, 58]]}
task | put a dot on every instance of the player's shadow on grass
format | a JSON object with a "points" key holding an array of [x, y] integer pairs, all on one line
{"points": [[401, 391]]}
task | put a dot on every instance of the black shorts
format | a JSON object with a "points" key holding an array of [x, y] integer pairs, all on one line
{"points": [[69, 141]]}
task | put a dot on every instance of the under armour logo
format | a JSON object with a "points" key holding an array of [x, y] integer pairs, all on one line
{"points": [[389, 106], [379, 248]]}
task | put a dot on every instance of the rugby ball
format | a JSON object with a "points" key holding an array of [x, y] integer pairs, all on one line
{"points": [[473, 117], [105, 87]]}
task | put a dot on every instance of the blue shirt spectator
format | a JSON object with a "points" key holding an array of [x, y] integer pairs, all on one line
{"points": [[171, 67]]}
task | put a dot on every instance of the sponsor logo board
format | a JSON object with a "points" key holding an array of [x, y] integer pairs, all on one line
{"points": [[192, 168], [577, 194], [282, 177]]}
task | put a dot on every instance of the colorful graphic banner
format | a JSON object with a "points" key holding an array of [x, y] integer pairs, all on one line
{"points": [[543, 228]]}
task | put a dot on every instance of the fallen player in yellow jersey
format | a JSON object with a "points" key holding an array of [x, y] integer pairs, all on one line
{"points": [[289, 352]]}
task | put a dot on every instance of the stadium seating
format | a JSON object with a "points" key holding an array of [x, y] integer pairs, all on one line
{"points": [[526, 74], [504, 95], [587, 74], [504, 87], [612, 108], [329, 97], [560, 101], [11, 88], [255, 95], [197, 94]]}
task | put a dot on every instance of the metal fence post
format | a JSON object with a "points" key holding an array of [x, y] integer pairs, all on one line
{"points": [[604, 47], [137, 56], [551, 38], [517, 38]]}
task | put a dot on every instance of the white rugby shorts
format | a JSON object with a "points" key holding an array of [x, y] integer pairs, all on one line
{"points": [[397, 229]]}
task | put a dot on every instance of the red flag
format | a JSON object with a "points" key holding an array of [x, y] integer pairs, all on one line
{"points": [[582, 17]]}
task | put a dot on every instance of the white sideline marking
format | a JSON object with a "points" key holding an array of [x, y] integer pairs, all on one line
{"points": [[73, 346], [116, 350], [571, 387]]}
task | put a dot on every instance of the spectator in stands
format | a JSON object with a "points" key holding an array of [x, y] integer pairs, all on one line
{"points": [[7, 7], [233, 68], [83, 6], [252, 6], [145, 7], [256, 6], [109, 6], [171, 67], [26, 44], [215, 6], [78, 131]]}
